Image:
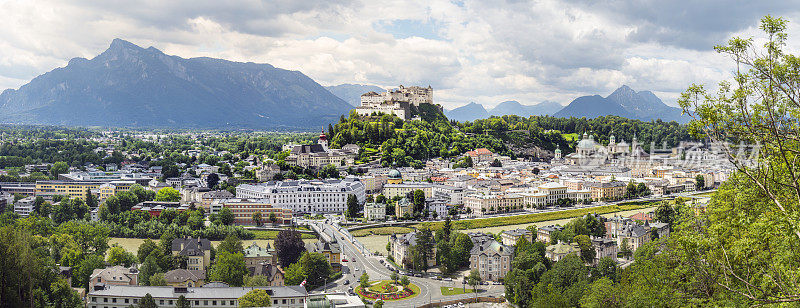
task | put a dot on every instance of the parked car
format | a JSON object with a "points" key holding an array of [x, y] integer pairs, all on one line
{"points": [[448, 279]]}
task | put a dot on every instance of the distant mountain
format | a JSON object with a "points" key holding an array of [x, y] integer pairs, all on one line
{"points": [[515, 108], [351, 93], [623, 102], [468, 112], [129, 86]]}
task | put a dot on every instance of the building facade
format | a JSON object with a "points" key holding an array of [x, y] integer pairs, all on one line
{"points": [[313, 197]]}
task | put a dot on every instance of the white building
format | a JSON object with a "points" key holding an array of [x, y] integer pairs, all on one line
{"points": [[316, 196], [206, 296], [396, 101], [24, 207], [375, 211], [549, 194], [453, 195]]}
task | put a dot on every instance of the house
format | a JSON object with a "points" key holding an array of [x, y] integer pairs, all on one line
{"points": [[543, 234], [511, 237], [604, 247], [197, 252], [255, 256], [24, 207], [400, 248], [492, 260], [185, 278], [403, 208], [560, 250], [273, 273], [375, 211], [330, 249], [115, 275], [635, 234]]}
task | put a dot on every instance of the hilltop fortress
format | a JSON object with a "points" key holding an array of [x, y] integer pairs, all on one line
{"points": [[395, 101]]}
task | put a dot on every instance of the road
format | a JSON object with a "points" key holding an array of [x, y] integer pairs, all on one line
{"points": [[358, 262]]}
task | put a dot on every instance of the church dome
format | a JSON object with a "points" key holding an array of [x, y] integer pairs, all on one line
{"points": [[394, 174], [586, 144]]}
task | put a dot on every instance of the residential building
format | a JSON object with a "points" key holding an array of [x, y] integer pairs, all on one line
{"points": [[543, 234], [560, 250], [453, 195], [330, 249], [375, 212], [197, 252], [437, 208], [480, 155], [267, 172], [401, 244], [606, 190], [404, 189], [255, 255], [403, 208], [635, 234], [313, 197], [114, 276], [492, 259], [24, 207], [491, 203], [185, 278], [604, 247], [550, 193], [510, 237], [319, 155], [243, 210], [207, 296]]}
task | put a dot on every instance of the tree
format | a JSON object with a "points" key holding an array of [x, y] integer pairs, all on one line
{"points": [[352, 206], [229, 268], [212, 180], [119, 256], [394, 277], [148, 268], [294, 275], [147, 302], [289, 246], [182, 302], [630, 191], [329, 171], [316, 268], [601, 294], [226, 216], [418, 198], [57, 168], [625, 248], [257, 281], [587, 250], [364, 280], [168, 194], [666, 213], [607, 268], [474, 279], [258, 219], [404, 281], [272, 218], [425, 244], [700, 182], [231, 244], [157, 279], [63, 296], [255, 298], [496, 163]]}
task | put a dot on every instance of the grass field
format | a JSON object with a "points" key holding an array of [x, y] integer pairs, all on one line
{"points": [[539, 217], [381, 231], [271, 235], [446, 291], [570, 137], [132, 244]]}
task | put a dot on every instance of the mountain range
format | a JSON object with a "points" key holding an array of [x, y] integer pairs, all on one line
{"points": [[623, 102], [351, 93], [129, 86]]}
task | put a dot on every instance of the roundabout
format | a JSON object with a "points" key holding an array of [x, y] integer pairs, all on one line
{"points": [[387, 290]]}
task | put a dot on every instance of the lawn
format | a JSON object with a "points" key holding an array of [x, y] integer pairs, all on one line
{"points": [[381, 231], [446, 291], [570, 137], [531, 218], [377, 287], [271, 235]]}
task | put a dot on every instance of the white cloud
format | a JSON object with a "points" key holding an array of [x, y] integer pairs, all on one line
{"points": [[482, 51]]}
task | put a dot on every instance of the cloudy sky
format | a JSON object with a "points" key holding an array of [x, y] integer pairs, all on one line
{"points": [[484, 51]]}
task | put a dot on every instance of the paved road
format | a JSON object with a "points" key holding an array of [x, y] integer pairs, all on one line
{"points": [[358, 262]]}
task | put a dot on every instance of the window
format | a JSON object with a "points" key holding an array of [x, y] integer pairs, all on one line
{"points": [[127, 300]]}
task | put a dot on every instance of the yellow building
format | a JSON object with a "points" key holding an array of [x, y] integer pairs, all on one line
{"points": [[77, 189], [606, 190], [196, 251], [403, 207]]}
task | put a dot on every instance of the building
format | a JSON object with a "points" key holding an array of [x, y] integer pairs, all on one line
{"points": [[550, 193], [18, 188], [24, 207], [614, 190], [560, 250], [313, 197], [267, 172], [543, 234], [397, 102], [604, 247], [453, 195], [199, 297], [243, 210], [336, 300], [482, 155], [255, 255], [6, 201], [196, 251], [114, 276], [404, 189], [437, 208], [330, 249], [375, 212], [105, 177], [511, 237], [319, 155], [403, 208], [400, 249], [78, 189], [185, 278], [492, 260], [491, 203], [394, 177]]}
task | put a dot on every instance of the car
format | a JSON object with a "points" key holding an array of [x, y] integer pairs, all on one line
{"points": [[346, 282], [448, 279], [356, 269], [344, 260], [418, 275]]}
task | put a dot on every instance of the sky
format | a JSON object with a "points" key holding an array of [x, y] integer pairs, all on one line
{"points": [[482, 51]]}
